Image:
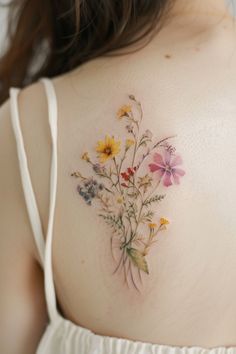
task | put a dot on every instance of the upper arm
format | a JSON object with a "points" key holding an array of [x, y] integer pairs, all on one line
{"points": [[22, 303]]}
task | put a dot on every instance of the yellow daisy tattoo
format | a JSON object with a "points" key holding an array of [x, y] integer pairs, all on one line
{"points": [[108, 148], [124, 111]]}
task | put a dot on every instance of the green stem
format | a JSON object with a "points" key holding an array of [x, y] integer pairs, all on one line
{"points": [[154, 147], [151, 193], [134, 186], [119, 168], [110, 179], [133, 234], [139, 215], [118, 175], [141, 111]]}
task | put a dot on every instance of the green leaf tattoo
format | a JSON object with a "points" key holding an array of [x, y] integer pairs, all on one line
{"points": [[138, 259]]}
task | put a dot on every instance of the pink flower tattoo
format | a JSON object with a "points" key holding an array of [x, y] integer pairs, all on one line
{"points": [[165, 167]]}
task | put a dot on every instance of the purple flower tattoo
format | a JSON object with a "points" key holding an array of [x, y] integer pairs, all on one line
{"points": [[165, 167]]}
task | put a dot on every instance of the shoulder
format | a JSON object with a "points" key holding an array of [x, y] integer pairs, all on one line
{"points": [[22, 303], [32, 107]]}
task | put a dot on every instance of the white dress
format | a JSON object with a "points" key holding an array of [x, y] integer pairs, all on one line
{"points": [[61, 335]]}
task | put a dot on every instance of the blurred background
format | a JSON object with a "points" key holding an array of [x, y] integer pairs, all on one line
{"points": [[3, 19]]}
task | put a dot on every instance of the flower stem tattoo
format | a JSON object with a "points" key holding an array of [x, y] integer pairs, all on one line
{"points": [[124, 190]]}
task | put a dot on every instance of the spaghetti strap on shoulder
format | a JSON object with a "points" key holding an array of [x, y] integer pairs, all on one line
{"points": [[48, 266], [29, 194], [44, 248]]}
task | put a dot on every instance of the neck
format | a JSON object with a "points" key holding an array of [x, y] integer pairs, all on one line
{"points": [[216, 8]]}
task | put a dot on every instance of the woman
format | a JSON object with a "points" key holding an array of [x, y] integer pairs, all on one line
{"points": [[121, 167]]}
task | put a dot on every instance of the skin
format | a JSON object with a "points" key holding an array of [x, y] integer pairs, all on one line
{"points": [[186, 80]]}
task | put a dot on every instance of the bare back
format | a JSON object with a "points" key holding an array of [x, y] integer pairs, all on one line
{"points": [[186, 280]]}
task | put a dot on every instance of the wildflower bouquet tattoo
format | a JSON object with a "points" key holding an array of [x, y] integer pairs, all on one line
{"points": [[125, 191]]}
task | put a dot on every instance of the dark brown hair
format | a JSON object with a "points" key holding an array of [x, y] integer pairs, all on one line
{"points": [[50, 37]]}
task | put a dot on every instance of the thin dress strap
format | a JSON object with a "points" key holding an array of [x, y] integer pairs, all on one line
{"points": [[48, 271], [30, 199]]}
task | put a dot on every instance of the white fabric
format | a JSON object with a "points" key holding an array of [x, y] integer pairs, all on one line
{"points": [[61, 335], [25, 176]]}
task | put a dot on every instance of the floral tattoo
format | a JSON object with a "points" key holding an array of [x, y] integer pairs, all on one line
{"points": [[126, 183]]}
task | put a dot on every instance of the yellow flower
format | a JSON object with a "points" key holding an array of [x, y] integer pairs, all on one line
{"points": [[123, 111], [120, 199], [85, 156], [164, 221], [108, 148], [152, 225], [129, 142]]}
